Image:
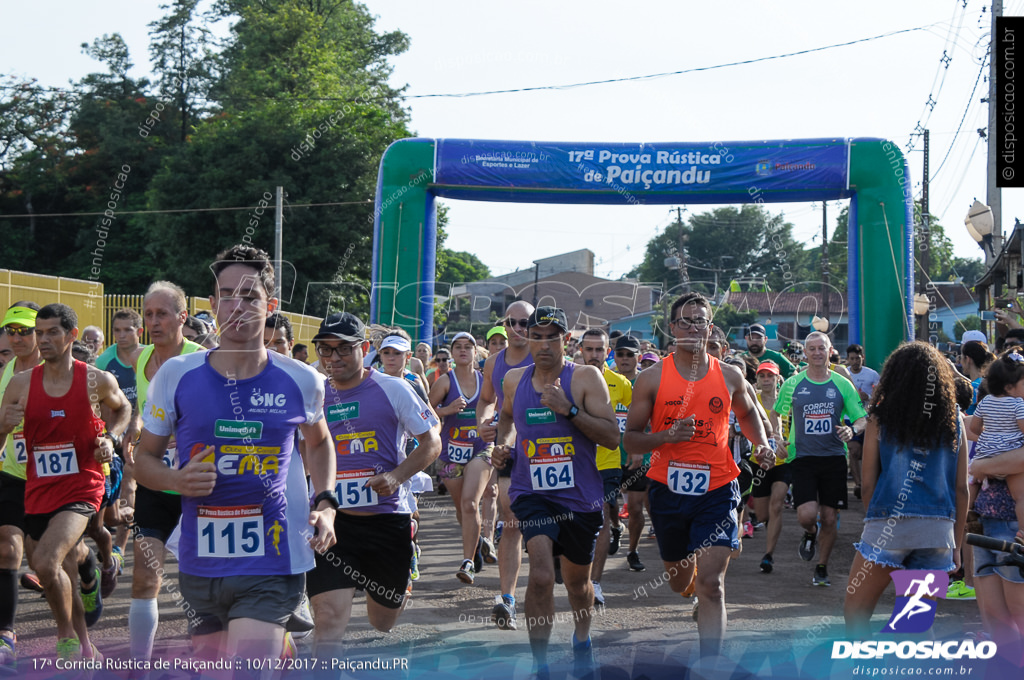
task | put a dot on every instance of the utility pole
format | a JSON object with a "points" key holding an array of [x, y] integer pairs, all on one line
{"points": [[824, 260], [684, 275], [278, 237], [926, 237], [994, 194]]}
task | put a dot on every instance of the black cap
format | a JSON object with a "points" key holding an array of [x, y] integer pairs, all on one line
{"points": [[341, 326], [756, 329], [628, 342], [544, 316]]}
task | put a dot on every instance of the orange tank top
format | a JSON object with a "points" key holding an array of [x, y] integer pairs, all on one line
{"points": [[709, 401]]}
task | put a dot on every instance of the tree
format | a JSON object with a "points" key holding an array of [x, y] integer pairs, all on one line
{"points": [[760, 246], [302, 102], [183, 56]]}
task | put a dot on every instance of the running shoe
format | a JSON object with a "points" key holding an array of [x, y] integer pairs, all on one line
{"points": [[598, 595], [300, 623], [92, 601], [748, 529], [767, 564], [808, 546], [613, 545], [650, 532], [30, 581], [504, 613], [8, 657], [582, 657], [69, 649], [958, 590], [820, 577], [414, 566], [488, 551], [633, 559], [290, 651], [108, 582], [466, 572], [624, 513]]}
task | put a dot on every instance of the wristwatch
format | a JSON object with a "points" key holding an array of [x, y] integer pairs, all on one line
{"points": [[115, 440], [325, 496], [573, 411]]}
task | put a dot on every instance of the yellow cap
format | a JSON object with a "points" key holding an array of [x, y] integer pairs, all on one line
{"points": [[23, 316]]}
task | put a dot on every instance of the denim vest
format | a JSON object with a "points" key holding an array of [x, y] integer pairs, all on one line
{"points": [[914, 482]]}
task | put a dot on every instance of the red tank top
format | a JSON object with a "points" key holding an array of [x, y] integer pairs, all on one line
{"points": [[60, 434], [709, 401]]}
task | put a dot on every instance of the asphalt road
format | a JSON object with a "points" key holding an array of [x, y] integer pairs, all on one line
{"points": [[779, 624]]}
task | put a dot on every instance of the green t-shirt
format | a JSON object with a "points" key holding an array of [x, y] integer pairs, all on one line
{"points": [[785, 367], [817, 410]]}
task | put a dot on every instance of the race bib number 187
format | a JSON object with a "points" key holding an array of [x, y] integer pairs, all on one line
{"points": [[55, 460]]}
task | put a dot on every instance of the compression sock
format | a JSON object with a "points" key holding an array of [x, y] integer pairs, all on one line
{"points": [[87, 571], [143, 617], [8, 598]]}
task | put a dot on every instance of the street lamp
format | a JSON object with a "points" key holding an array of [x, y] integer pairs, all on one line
{"points": [[979, 225], [922, 305]]}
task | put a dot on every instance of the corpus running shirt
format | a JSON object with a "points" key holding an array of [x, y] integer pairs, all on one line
{"points": [[60, 433], [255, 521], [705, 462], [817, 410], [459, 440], [368, 425], [559, 461]]}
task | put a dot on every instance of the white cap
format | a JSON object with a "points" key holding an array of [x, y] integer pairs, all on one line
{"points": [[396, 342], [974, 336], [463, 334]]}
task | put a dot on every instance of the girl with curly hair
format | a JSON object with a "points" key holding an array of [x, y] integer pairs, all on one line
{"points": [[914, 478]]}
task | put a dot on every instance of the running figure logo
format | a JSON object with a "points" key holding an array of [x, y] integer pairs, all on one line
{"points": [[916, 593]]}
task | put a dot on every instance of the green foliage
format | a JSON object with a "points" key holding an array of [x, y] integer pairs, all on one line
{"points": [[731, 320], [970, 323], [760, 248]]}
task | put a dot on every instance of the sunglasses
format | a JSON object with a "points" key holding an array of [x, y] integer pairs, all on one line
{"points": [[23, 332], [624, 353], [512, 323]]}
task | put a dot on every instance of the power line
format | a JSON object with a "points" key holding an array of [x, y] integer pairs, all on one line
{"points": [[177, 210], [567, 86]]}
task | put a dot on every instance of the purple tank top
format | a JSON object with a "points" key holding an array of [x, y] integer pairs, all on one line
{"points": [[501, 367], [559, 461], [459, 440]]}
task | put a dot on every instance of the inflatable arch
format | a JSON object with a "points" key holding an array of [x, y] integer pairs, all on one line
{"points": [[872, 173]]}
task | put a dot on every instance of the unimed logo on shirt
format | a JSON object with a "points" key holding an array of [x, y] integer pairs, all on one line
{"points": [[539, 416], [346, 411], [238, 429]]}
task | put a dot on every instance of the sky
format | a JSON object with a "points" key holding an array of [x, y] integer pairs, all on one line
{"points": [[875, 88]]}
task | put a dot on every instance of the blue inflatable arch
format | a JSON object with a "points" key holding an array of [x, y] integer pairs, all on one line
{"points": [[872, 173]]}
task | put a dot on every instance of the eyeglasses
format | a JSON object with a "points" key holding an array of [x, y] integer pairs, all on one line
{"points": [[512, 323], [23, 332], [342, 350], [624, 353], [699, 323]]}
